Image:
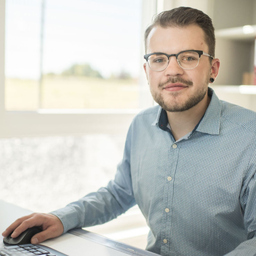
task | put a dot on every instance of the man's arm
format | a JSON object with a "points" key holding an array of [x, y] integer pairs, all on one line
{"points": [[98, 207], [95, 208], [105, 204], [248, 206], [247, 248]]}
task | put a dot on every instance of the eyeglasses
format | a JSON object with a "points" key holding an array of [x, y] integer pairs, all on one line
{"points": [[189, 59]]}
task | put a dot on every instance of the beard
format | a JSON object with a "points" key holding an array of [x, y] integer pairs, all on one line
{"points": [[173, 104]]}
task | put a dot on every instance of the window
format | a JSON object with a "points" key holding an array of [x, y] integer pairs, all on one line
{"points": [[89, 94], [81, 54], [32, 103], [44, 91]]}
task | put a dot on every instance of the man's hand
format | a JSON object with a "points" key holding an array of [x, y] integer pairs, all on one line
{"points": [[51, 225]]}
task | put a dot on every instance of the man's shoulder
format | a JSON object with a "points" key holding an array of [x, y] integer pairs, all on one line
{"points": [[148, 115], [149, 111], [239, 116]]}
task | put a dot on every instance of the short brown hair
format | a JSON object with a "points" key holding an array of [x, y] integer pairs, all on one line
{"points": [[184, 16]]}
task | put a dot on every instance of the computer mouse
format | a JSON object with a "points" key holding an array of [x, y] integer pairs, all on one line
{"points": [[23, 238]]}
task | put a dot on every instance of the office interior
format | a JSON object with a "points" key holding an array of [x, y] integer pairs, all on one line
{"points": [[50, 157]]}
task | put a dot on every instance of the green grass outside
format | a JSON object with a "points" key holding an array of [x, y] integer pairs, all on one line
{"points": [[60, 92]]}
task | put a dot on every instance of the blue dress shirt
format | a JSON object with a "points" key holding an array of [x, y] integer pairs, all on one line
{"points": [[198, 194]]}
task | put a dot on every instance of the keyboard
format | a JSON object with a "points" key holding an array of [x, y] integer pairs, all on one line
{"points": [[28, 250]]}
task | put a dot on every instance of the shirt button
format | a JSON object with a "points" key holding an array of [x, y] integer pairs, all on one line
{"points": [[165, 241], [167, 210], [174, 146], [169, 178]]}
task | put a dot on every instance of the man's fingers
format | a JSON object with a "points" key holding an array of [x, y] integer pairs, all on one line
{"points": [[18, 226], [51, 225], [50, 232]]}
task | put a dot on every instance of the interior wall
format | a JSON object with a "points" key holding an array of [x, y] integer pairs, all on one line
{"points": [[225, 13], [233, 13], [234, 61], [254, 11], [236, 55], [204, 5]]}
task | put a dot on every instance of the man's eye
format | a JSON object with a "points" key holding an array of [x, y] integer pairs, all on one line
{"points": [[159, 60], [188, 58]]}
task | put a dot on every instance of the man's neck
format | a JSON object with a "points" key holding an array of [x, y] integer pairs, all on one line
{"points": [[184, 122]]}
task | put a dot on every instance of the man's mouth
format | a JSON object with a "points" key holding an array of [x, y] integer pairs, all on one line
{"points": [[175, 84], [174, 87]]}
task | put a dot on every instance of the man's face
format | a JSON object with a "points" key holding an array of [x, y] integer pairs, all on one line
{"points": [[174, 88]]}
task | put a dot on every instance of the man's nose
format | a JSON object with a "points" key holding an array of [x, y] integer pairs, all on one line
{"points": [[173, 67]]}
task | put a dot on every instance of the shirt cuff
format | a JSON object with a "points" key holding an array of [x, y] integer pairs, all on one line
{"points": [[68, 217]]}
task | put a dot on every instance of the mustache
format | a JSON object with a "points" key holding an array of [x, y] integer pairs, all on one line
{"points": [[174, 80]]}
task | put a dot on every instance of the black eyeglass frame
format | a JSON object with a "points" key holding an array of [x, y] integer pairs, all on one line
{"points": [[200, 53]]}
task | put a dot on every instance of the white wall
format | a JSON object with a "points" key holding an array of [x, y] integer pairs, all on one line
{"points": [[235, 58], [254, 11], [204, 5], [232, 13]]}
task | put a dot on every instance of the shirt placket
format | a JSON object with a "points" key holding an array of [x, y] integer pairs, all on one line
{"points": [[166, 234]]}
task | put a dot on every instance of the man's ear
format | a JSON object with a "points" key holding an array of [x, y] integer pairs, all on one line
{"points": [[215, 68]]}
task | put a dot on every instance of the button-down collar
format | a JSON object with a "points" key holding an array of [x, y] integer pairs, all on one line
{"points": [[210, 123]]}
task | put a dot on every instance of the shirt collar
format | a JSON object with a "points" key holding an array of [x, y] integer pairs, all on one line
{"points": [[210, 123]]}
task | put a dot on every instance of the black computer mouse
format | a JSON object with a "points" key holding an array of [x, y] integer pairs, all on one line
{"points": [[23, 238]]}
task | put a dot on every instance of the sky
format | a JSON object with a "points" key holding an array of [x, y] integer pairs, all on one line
{"points": [[104, 33]]}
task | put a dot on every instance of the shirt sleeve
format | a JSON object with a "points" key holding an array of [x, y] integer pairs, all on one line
{"points": [[105, 204], [248, 206], [247, 248]]}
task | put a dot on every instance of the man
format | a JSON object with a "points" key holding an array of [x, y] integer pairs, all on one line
{"points": [[189, 163]]}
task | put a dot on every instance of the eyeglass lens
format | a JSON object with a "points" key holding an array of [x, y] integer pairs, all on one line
{"points": [[187, 60]]}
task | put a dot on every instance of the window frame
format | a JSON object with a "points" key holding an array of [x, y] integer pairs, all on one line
{"points": [[48, 123]]}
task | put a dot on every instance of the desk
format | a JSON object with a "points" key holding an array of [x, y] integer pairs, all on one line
{"points": [[77, 242]]}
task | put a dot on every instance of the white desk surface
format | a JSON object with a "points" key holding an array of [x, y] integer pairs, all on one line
{"points": [[76, 242]]}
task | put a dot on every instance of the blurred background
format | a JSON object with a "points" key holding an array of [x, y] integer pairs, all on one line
{"points": [[71, 80]]}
